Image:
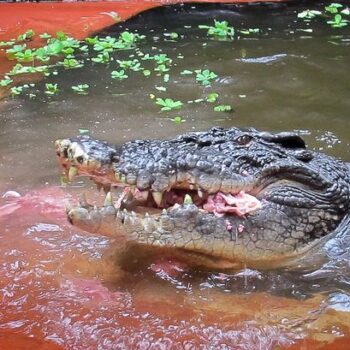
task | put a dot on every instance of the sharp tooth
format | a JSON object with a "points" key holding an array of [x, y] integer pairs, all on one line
{"points": [[68, 207], [191, 186], [117, 176], [108, 200], [157, 196], [188, 199], [82, 200], [200, 193], [73, 171], [164, 212]]}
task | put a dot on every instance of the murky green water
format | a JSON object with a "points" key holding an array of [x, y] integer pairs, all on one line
{"points": [[280, 79]]}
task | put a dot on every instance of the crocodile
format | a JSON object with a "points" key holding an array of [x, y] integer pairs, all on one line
{"points": [[223, 198]]}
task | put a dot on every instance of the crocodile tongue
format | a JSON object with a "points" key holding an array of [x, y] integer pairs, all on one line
{"points": [[239, 204]]}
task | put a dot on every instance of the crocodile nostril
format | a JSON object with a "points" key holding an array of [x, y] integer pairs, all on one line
{"points": [[243, 139]]}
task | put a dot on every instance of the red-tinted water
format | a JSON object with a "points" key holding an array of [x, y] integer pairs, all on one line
{"points": [[62, 289]]}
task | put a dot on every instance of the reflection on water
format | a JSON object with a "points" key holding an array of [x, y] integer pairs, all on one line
{"points": [[60, 286]]}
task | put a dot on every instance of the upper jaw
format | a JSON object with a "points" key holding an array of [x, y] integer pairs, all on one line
{"points": [[80, 157]]}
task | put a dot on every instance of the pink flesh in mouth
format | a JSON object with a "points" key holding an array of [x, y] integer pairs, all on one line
{"points": [[239, 204]]}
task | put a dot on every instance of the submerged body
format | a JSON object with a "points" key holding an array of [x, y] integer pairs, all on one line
{"points": [[223, 198]]}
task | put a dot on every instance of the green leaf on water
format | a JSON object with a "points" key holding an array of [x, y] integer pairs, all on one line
{"points": [[223, 108], [168, 104], [205, 76], [51, 89], [212, 97], [5, 82], [178, 120], [186, 72], [119, 74], [81, 89]]}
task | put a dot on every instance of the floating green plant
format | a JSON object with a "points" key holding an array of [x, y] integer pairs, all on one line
{"points": [[15, 49], [186, 72], [172, 35], [309, 14], [28, 35], [223, 108], [335, 9], [6, 81], [168, 104], [178, 119], [220, 30], [338, 21], [51, 89], [205, 76], [119, 75], [25, 56], [212, 97], [103, 58], [81, 89], [134, 64], [162, 59], [20, 69], [162, 68], [70, 63], [17, 90]]}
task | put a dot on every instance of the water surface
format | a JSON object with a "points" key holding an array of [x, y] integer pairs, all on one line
{"points": [[66, 287]]}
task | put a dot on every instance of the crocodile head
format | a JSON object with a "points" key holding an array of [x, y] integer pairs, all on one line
{"points": [[223, 198]]}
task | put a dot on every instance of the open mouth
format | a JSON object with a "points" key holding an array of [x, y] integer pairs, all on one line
{"points": [[220, 203], [75, 162]]}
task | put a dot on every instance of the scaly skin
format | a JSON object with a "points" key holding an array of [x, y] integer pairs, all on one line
{"points": [[303, 196]]}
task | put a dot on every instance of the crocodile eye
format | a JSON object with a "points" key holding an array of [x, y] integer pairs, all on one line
{"points": [[80, 159], [243, 139]]}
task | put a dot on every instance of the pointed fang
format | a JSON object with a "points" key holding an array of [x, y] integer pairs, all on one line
{"points": [[68, 207], [108, 199], [73, 171], [188, 199], [157, 196]]}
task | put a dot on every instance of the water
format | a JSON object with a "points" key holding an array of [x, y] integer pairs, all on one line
{"points": [[60, 286]]}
